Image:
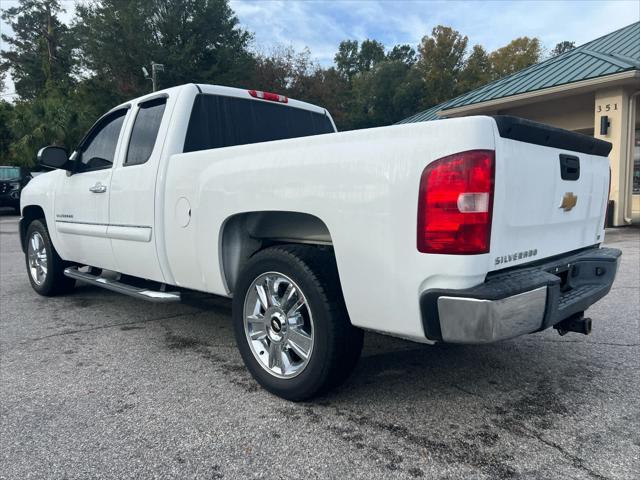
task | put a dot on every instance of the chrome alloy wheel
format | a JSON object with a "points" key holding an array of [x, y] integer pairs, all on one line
{"points": [[37, 255], [278, 324]]}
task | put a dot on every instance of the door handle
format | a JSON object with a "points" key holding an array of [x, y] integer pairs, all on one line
{"points": [[98, 188]]}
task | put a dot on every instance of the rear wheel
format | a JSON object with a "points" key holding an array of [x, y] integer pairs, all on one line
{"points": [[44, 265], [291, 324]]}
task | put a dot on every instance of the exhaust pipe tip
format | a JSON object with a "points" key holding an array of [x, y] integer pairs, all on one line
{"points": [[587, 326]]}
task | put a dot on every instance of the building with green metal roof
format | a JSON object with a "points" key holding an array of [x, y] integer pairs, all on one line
{"points": [[593, 89]]}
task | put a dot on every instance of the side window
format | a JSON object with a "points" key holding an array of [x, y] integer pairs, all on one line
{"points": [[145, 131], [99, 148]]}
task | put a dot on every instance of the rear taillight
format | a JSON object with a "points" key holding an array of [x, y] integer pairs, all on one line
{"points": [[272, 97], [455, 204]]}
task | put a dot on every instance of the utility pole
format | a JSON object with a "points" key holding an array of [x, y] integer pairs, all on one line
{"points": [[155, 68]]}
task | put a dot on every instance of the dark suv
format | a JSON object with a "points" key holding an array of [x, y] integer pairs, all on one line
{"points": [[12, 181]]}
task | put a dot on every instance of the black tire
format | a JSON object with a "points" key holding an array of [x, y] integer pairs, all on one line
{"points": [[54, 281], [336, 343]]}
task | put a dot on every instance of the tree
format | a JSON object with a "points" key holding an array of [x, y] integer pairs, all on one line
{"points": [[328, 88], [284, 71], [390, 91], [116, 40], [353, 58], [562, 47], [442, 59], [476, 71], [197, 41], [403, 53], [201, 41], [40, 48], [371, 53], [518, 54], [40, 62], [346, 59], [46, 120], [6, 135]]}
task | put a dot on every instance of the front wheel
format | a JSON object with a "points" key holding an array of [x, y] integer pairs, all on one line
{"points": [[44, 265], [291, 324]]}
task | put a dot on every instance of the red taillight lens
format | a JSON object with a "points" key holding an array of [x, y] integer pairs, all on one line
{"points": [[272, 97], [455, 204]]}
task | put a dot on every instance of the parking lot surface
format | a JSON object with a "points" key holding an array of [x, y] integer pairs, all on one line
{"points": [[97, 385]]}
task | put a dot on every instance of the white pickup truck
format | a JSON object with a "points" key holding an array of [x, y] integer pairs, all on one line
{"points": [[466, 230]]}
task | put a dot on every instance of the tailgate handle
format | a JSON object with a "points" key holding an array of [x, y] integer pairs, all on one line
{"points": [[569, 167]]}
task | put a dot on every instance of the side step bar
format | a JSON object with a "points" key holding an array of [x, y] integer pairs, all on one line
{"points": [[121, 287]]}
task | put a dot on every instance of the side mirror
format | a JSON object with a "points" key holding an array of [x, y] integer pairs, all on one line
{"points": [[54, 157]]}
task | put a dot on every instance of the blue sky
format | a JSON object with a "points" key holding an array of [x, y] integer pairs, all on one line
{"points": [[321, 25]]}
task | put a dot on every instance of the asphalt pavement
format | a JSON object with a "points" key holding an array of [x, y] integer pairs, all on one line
{"points": [[98, 385]]}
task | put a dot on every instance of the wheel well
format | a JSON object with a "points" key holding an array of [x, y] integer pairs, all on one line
{"points": [[245, 234], [29, 214]]}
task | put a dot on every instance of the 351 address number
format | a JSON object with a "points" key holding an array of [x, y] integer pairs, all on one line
{"points": [[607, 107]]}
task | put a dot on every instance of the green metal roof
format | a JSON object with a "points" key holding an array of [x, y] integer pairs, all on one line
{"points": [[429, 114], [616, 52]]}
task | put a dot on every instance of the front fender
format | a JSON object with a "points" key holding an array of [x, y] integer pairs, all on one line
{"points": [[39, 196]]}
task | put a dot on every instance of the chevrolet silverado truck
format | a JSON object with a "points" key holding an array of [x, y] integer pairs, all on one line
{"points": [[466, 230]]}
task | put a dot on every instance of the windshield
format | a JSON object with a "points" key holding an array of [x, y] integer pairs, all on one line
{"points": [[9, 173]]}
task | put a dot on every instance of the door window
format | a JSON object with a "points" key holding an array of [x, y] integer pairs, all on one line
{"points": [[99, 148], [145, 131]]}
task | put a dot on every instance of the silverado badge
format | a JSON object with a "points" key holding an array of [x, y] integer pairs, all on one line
{"points": [[568, 201]]}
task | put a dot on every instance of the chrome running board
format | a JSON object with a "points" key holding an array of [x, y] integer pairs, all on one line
{"points": [[116, 285]]}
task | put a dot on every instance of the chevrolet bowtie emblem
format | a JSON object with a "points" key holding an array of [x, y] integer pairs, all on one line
{"points": [[568, 201]]}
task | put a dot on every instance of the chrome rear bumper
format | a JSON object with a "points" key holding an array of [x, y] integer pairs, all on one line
{"points": [[521, 300], [472, 320]]}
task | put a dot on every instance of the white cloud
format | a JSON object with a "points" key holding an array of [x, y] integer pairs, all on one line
{"points": [[322, 25]]}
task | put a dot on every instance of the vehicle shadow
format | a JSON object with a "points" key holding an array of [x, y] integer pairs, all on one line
{"points": [[464, 404], [392, 370], [541, 374]]}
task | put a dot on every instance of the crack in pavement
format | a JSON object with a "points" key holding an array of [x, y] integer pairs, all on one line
{"points": [[576, 461]]}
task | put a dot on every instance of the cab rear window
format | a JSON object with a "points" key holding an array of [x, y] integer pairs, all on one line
{"points": [[217, 121]]}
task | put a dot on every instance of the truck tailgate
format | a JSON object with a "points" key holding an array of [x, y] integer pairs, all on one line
{"points": [[551, 189]]}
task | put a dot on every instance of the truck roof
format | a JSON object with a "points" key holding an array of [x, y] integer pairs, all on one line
{"points": [[227, 92]]}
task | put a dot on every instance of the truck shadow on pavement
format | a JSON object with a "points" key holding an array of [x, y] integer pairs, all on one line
{"points": [[408, 369]]}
